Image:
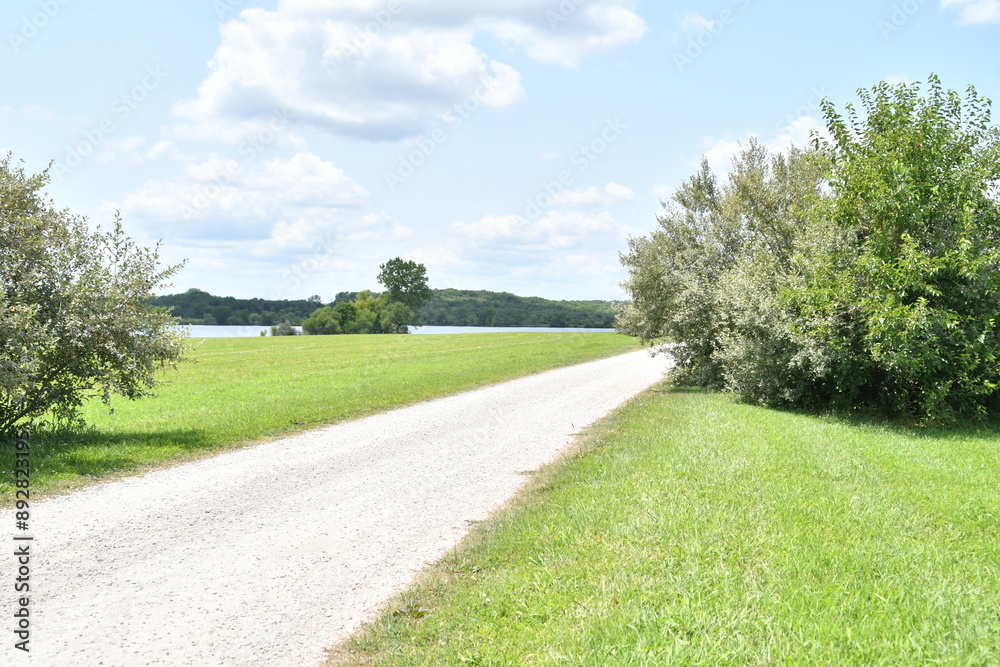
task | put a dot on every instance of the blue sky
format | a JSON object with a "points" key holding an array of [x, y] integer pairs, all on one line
{"points": [[287, 148]]}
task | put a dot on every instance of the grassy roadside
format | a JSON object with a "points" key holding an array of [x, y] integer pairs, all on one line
{"points": [[689, 529], [246, 389]]}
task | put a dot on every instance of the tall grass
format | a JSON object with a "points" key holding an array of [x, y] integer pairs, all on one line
{"points": [[691, 530]]}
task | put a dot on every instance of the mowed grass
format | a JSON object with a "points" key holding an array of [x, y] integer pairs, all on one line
{"points": [[691, 530], [241, 390]]}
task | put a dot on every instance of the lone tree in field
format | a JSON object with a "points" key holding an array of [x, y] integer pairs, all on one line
{"points": [[862, 272], [406, 285], [73, 322]]}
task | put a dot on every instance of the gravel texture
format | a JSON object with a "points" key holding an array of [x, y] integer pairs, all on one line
{"points": [[270, 554]]}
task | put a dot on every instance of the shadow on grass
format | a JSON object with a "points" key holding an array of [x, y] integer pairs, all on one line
{"points": [[90, 453], [985, 430]]}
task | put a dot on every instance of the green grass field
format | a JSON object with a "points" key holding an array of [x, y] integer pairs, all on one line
{"points": [[243, 390], [692, 530]]}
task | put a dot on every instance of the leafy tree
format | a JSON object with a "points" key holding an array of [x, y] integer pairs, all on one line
{"points": [[198, 307], [451, 307], [345, 297], [346, 312], [394, 317], [323, 322], [707, 230], [367, 314], [366, 308], [74, 318], [406, 282], [864, 272], [915, 289], [285, 328]]}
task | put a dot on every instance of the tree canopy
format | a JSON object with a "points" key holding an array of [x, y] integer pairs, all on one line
{"points": [[196, 306], [406, 283], [74, 317], [863, 271], [368, 313], [480, 308]]}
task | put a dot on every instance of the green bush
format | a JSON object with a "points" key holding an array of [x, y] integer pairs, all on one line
{"points": [[864, 271], [284, 329], [323, 322], [75, 321]]}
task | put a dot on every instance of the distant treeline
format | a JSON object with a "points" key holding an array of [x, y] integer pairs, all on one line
{"points": [[465, 308], [447, 307], [198, 307]]}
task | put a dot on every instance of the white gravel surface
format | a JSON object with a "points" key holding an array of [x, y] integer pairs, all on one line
{"points": [[269, 555]]}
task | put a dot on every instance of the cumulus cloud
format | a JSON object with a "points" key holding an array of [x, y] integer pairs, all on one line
{"points": [[250, 134], [309, 227], [568, 37], [972, 12], [245, 200], [124, 151], [167, 150], [556, 230], [897, 79], [380, 70], [720, 152], [609, 195], [695, 22]]}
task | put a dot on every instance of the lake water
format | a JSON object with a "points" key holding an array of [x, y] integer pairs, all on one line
{"points": [[206, 331]]}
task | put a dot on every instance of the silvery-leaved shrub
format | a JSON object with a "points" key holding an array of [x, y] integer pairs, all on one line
{"points": [[862, 272], [74, 322]]}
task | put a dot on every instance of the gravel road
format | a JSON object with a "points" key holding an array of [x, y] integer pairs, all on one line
{"points": [[270, 554]]}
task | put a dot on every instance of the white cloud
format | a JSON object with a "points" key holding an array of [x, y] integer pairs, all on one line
{"points": [[609, 195], [896, 79], [167, 150], [304, 228], [594, 27], [301, 227], [579, 266], [663, 192], [720, 152], [973, 12], [42, 113], [381, 70], [567, 253], [249, 134], [377, 228], [124, 151], [223, 188], [695, 22], [554, 230]]}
